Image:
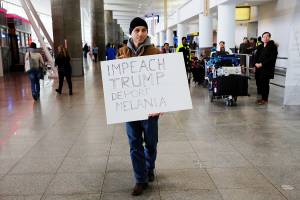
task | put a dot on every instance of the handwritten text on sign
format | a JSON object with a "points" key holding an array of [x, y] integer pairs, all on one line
{"points": [[137, 86]]}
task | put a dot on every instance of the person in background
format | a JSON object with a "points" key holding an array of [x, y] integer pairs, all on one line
{"points": [[85, 50], [185, 49], [110, 52], [124, 44], [222, 49], [34, 73], [166, 48], [252, 46], [194, 45], [213, 50], [214, 47], [259, 42], [265, 59], [244, 46], [142, 134], [62, 61], [95, 53], [195, 68]]}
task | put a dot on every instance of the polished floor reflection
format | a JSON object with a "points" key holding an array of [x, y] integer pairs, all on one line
{"points": [[61, 148]]}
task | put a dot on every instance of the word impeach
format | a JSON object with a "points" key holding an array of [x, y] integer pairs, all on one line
{"points": [[135, 87], [133, 67], [143, 73]]}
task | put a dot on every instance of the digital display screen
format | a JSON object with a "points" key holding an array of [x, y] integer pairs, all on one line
{"points": [[242, 13]]}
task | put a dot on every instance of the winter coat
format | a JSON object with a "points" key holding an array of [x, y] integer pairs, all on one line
{"points": [[143, 50], [63, 64], [186, 55], [267, 56]]}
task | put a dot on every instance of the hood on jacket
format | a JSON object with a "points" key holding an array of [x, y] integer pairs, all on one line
{"points": [[137, 51]]}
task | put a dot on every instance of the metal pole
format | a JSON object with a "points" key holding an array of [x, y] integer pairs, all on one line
{"points": [[40, 23], [37, 32]]}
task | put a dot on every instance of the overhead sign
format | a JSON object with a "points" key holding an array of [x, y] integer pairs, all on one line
{"points": [[135, 87]]}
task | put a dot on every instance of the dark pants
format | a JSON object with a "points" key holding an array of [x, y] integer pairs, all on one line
{"points": [[61, 76], [143, 157], [263, 87], [34, 76], [95, 57]]}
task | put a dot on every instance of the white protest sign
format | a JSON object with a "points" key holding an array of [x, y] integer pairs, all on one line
{"points": [[134, 87]]}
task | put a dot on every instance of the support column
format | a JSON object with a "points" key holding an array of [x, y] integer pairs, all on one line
{"points": [[157, 39], [117, 41], [180, 32], [98, 32], [114, 32], [162, 35], [205, 31], [170, 37], [226, 24], [66, 20], [121, 36], [108, 18]]}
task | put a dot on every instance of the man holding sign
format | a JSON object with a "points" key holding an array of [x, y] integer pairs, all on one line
{"points": [[143, 158], [143, 82]]}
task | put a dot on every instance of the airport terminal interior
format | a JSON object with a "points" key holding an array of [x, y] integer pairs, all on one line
{"points": [[59, 146]]}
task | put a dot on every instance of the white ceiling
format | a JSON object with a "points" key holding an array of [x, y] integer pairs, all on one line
{"points": [[125, 10]]}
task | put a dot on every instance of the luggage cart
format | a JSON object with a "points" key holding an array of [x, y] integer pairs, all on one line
{"points": [[229, 88], [225, 79]]}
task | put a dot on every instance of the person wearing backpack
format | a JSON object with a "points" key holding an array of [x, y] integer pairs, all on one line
{"points": [[35, 61]]}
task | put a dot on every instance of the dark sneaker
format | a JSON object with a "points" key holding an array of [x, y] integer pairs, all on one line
{"points": [[58, 91], [70, 93], [35, 97], [258, 101], [151, 176], [263, 102], [139, 188]]}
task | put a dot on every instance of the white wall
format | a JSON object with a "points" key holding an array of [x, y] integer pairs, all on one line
{"points": [[86, 26], [252, 29], [190, 9], [240, 33], [276, 17], [192, 28], [245, 30]]}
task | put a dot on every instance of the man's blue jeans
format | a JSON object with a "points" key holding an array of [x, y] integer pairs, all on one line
{"points": [[34, 76], [143, 157]]}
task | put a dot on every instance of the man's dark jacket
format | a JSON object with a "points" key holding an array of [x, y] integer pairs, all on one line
{"points": [[267, 56]]}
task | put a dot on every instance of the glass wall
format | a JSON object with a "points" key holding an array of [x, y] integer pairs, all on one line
{"points": [[3, 37]]}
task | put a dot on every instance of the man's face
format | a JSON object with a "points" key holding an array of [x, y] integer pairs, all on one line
{"points": [[184, 41], [222, 45], [166, 46], [266, 38], [245, 41], [139, 34]]}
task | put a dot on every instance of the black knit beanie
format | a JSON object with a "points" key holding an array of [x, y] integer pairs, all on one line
{"points": [[137, 22]]}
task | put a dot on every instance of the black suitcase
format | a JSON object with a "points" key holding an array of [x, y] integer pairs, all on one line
{"points": [[235, 85]]}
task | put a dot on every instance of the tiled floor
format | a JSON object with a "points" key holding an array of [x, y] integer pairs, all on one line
{"points": [[61, 148]]}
